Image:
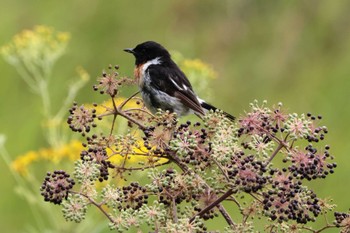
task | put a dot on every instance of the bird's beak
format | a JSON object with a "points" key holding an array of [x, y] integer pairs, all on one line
{"points": [[129, 50]]}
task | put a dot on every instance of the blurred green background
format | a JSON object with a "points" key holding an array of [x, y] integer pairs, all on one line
{"points": [[295, 52]]}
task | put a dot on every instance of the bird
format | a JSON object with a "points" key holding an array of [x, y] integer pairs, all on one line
{"points": [[163, 85]]}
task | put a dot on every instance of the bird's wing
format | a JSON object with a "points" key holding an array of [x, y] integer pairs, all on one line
{"points": [[172, 81]]}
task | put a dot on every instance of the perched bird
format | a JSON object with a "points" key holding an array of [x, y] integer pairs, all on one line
{"points": [[163, 85]]}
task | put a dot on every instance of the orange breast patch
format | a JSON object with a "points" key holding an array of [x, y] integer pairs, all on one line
{"points": [[138, 75]]}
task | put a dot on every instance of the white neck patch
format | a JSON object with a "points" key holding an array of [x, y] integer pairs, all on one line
{"points": [[155, 61]]}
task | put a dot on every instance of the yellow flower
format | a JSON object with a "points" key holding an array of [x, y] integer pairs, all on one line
{"points": [[83, 74], [196, 65], [44, 30], [63, 36], [69, 151], [138, 156], [101, 108], [21, 164], [35, 46]]}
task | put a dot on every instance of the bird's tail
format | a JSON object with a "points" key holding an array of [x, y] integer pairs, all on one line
{"points": [[209, 107]]}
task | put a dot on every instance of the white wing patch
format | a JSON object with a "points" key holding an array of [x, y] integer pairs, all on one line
{"points": [[177, 86], [200, 100]]}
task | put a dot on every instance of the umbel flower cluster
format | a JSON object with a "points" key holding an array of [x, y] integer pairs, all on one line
{"points": [[188, 174]]}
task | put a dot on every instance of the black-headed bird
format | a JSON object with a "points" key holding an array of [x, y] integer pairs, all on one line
{"points": [[162, 83]]}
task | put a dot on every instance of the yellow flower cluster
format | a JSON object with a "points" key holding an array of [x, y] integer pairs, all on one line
{"points": [[138, 153], [69, 151], [72, 150], [35, 47], [199, 67]]}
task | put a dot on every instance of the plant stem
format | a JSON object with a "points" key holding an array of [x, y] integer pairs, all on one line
{"points": [[214, 204], [174, 211], [119, 111], [279, 147], [99, 206]]}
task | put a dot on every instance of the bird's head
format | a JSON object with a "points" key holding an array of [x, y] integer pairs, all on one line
{"points": [[148, 51]]}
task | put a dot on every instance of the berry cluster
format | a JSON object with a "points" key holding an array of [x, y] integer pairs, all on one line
{"points": [[56, 186], [310, 164], [134, 196], [247, 173], [81, 119], [256, 123], [171, 189], [262, 121], [342, 219], [97, 152], [159, 131], [110, 82], [289, 200], [192, 145], [317, 133]]}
